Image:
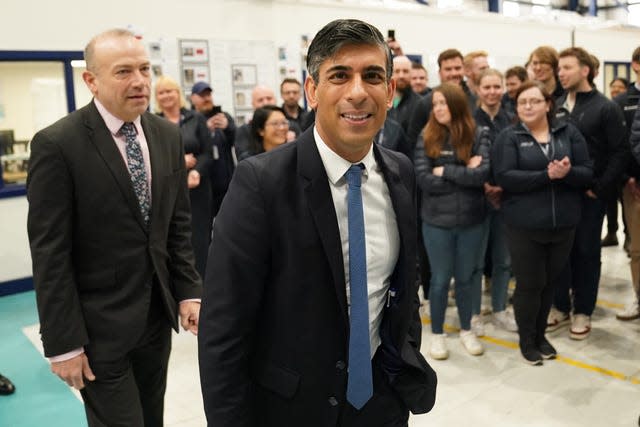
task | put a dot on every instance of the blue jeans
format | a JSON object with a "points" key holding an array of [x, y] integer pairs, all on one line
{"points": [[581, 273], [500, 264], [452, 253]]}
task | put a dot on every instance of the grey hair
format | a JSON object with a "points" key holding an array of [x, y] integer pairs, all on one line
{"points": [[89, 50], [336, 34]]}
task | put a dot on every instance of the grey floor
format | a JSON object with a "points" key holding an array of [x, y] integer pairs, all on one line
{"points": [[595, 382]]}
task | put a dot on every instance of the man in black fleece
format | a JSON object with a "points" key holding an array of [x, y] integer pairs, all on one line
{"points": [[602, 124]]}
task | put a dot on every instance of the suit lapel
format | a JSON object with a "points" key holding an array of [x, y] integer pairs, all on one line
{"points": [[403, 205], [401, 198], [316, 187], [155, 154], [101, 138]]}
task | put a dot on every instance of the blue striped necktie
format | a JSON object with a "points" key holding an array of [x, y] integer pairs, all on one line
{"points": [[135, 163], [360, 382]]}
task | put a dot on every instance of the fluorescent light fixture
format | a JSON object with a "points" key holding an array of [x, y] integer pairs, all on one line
{"points": [[78, 63]]}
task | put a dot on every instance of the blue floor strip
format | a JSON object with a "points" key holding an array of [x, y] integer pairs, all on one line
{"points": [[41, 399]]}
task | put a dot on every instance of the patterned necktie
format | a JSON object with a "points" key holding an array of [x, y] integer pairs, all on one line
{"points": [[360, 382], [135, 163]]}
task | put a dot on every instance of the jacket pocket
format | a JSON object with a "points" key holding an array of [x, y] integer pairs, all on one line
{"points": [[281, 381]]}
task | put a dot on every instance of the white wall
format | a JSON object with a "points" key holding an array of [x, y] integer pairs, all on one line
{"points": [[69, 24], [15, 257]]}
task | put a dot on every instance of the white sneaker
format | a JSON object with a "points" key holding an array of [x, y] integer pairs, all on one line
{"points": [[477, 325], [630, 312], [438, 349], [470, 343], [580, 327], [557, 319], [504, 319]]}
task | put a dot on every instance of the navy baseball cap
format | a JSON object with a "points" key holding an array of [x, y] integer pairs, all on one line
{"points": [[201, 87]]}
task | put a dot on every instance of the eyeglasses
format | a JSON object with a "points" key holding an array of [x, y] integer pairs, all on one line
{"points": [[533, 102], [282, 124]]}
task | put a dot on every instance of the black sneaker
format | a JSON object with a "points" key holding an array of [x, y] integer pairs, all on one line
{"points": [[531, 356], [546, 350]]}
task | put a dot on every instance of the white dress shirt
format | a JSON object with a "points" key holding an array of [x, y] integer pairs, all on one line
{"points": [[382, 240]]}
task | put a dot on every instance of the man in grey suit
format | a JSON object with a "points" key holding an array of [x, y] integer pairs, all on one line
{"points": [[310, 309], [109, 228]]}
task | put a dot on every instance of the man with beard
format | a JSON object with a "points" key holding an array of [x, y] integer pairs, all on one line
{"points": [[419, 79], [601, 122], [223, 129], [404, 98], [291, 93], [474, 64]]}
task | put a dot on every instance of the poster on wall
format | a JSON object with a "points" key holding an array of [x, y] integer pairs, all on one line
{"points": [[195, 73], [194, 51], [244, 74]]}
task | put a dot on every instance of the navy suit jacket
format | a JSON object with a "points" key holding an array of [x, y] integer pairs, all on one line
{"points": [[274, 326]]}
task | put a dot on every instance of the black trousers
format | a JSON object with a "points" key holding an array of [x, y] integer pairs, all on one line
{"points": [[129, 389], [537, 259], [384, 409]]}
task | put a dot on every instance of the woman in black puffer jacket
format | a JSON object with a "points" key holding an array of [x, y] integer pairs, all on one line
{"points": [[452, 164]]}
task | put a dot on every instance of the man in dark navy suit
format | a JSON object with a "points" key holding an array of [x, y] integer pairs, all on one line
{"points": [[310, 308]]}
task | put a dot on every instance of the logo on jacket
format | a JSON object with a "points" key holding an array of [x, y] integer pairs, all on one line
{"points": [[526, 144]]}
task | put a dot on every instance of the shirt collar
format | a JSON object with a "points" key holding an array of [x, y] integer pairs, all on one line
{"points": [[335, 165], [113, 123]]}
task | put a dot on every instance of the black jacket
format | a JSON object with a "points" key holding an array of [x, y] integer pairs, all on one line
{"points": [[402, 113], [530, 199], [456, 198], [628, 102], [196, 139], [393, 137], [602, 124], [494, 126], [422, 110]]}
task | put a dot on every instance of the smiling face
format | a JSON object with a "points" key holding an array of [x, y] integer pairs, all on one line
{"points": [[451, 70], [441, 109], [490, 90], [542, 71], [419, 80], [167, 97], [351, 98], [275, 130], [120, 76], [616, 88]]}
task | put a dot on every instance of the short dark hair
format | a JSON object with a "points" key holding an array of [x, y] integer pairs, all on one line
{"points": [[258, 123], [335, 35], [290, 80], [635, 56], [417, 66], [517, 71], [449, 54], [546, 95], [584, 58], [622, 80]]}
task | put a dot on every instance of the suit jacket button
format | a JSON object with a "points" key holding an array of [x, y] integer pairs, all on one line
{"points": [[340, 365], [333, 401]]}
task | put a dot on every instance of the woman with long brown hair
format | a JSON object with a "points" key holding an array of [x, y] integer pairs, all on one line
{"points": [[451, 168]]}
